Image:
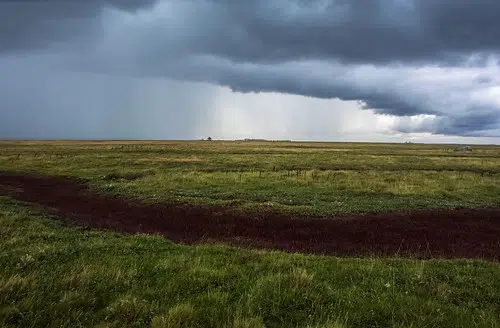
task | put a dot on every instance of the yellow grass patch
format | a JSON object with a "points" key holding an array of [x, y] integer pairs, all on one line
{"points": [[188, 159]]}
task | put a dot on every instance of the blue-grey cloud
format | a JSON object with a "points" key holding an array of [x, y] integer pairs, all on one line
{"points": [[36, 25], [390, 55], [283, 30], [359, 31]]}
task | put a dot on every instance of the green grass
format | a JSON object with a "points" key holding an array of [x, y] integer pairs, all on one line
{"points": [[319, 179], [52, 275], [56, 276]]}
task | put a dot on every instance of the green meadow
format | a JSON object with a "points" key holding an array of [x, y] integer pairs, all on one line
{"points": [[315, 179], [54, 275]]}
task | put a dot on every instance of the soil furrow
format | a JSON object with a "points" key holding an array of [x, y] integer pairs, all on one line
{"points": [[460, 233]]}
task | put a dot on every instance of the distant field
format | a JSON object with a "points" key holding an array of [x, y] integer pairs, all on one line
{"points": [[315, 179], [432, 268]]}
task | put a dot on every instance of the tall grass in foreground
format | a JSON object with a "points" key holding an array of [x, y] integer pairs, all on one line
{"points": [[55, 276]]}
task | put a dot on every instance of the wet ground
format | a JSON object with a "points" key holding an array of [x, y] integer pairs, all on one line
{"points": [[459, 233]]}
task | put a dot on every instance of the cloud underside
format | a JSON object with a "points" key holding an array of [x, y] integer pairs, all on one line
{"points": [[433, 65]]}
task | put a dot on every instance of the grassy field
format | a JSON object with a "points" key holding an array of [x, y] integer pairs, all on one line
{"points": [[316, 179], [52, 275]]}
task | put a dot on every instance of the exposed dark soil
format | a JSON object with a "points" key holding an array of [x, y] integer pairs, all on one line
{"points": [[461, 233]]}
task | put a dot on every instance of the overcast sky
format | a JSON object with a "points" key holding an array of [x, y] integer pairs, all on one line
{"points": [[340, 70]]}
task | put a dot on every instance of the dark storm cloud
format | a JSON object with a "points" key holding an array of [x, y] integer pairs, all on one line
{"points": [[472, 122], [365, 50], [283, 30], [352, 31], [29, 25], [358, 31], [331, 82], [482, 122]]}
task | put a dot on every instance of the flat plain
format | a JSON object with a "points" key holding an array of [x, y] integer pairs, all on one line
{"points": [[248, 234]]}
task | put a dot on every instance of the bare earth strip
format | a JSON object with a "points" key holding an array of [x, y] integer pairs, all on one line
{"points": [[461, 233]]}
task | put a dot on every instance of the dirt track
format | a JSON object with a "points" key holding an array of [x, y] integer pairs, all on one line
{"points": [[463, 233]]}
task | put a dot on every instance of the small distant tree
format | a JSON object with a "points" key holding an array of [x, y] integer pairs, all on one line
{"points": [[209, 138]]}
